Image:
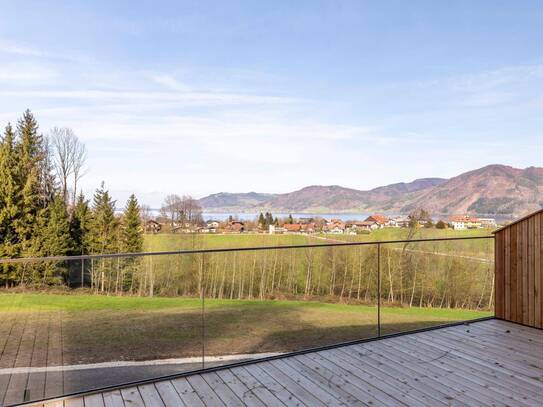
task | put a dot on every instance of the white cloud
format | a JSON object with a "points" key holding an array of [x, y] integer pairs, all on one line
{"points": [[9, 47], [170, 82]]}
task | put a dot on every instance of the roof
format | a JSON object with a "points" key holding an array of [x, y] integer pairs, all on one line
{"points": [[292, 227], [378, 218], [518, 220]]}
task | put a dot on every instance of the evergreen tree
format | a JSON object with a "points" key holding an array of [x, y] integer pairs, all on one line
{"points": [[290, 219], [102, 236], [35, 191], [132, 230], [80, 223], [56, 233], [261, 221], [9, 209]]}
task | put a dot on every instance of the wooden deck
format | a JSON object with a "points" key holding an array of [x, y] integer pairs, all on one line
{"points": [[488, 363]]}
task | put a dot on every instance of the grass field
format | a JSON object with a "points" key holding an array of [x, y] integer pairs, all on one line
{"points": [[166, 241], [100, 328]]}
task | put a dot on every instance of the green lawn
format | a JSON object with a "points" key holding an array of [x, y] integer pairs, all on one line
{"points": [[100, 328]]}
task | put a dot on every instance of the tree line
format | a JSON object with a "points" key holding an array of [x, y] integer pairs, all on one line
{"points": [[44, 213]]}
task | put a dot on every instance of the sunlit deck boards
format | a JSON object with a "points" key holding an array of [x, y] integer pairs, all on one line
{"points": [[489, 363]]}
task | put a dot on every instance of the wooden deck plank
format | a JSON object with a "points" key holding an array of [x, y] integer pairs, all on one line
{"points": [[452, 387], [316, 379], [291, 385], [484, 376], [243, 392], [382, 378], [486, 390], [360, 389], [150, 395], [169, 395], [276, 388], [256, 387], [224, 392], [206, 393], [94, 400], [77, 402], [132, 397], [482, 354], [187, 393], [113, 399]]}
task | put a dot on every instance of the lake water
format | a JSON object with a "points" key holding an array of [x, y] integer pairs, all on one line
{"points": [[252, 216]]}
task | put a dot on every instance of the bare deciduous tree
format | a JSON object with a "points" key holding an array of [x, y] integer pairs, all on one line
{"points": [[69, 157]]}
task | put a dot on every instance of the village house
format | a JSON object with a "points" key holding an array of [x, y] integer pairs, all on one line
{"points": [[152, 226], [464, 222], [400, 222], [309, 228], [380, 220], [292, 227], [488, 223], [276, 230], [235, 226], [335, 227]]}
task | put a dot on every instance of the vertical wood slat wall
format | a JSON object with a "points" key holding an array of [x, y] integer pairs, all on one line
{"points": [[519, 281]]}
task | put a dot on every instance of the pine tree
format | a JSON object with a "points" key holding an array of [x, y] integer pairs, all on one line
{"points": [[102, 236], [132, 230]]}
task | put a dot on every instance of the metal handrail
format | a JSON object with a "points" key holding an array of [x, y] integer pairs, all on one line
{"points": [[226, 250]]}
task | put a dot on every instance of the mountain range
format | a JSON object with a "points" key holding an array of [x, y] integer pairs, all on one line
{"points": [[494, 189]]}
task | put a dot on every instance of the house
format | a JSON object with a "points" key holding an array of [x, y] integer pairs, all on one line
{"points": [[309, 227], [335, 227], [293, 227], [368, 225], [235, 226], [212, 224], [463, 222], [400, 222], [488, 223], [152, 226], [276, 230], [380, 220]]}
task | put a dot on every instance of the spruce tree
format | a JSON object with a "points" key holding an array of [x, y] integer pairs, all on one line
{"points": [[80, 223], [9, 209], [35, 193], [132, 230], [261, 221], [56, 233], [102, 236]]}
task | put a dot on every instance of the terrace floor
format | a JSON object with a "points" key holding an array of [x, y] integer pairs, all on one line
{"points": [[486, 363]]}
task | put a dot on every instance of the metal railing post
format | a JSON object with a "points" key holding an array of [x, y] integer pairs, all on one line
{"points": [[378, 289], [202, 295], [82, 273]]}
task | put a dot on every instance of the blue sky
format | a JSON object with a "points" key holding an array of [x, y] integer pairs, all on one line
{"points": [[201, 97]]}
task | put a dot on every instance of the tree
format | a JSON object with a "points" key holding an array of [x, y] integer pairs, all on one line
{"points": [[441, 225], [80, 223], [9, 195], [103, 225], [261, 221], [35, 182], [69, 156], [171, 209], [56, 233], [290, 219], [132, 230]]}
